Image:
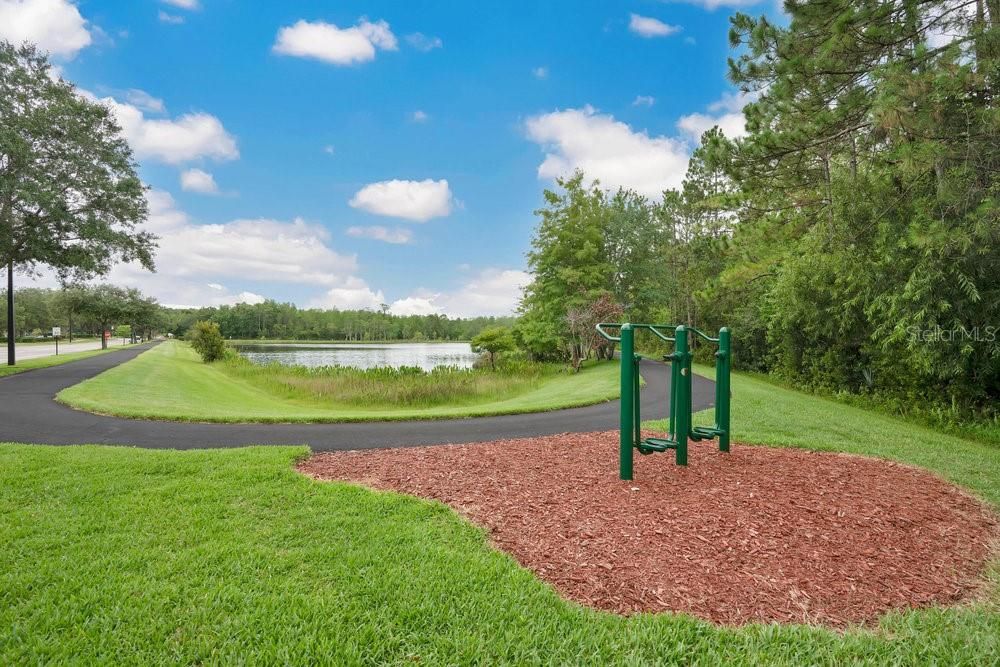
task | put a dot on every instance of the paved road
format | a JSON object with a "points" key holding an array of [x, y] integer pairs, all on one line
{"points": [[36, 350], [28, 413]]}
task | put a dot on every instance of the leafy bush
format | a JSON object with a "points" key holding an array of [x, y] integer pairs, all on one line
{"points": [[207, 341], [493, 341]]}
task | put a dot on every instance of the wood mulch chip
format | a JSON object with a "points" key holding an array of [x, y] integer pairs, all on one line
{"points": [[760, 534]]}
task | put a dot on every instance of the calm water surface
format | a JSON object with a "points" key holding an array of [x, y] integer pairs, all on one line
{"points": [[358, 355]]}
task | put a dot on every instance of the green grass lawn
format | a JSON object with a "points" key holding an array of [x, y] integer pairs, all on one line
{"points": [[119, 555], [170, 382], [765, 413], [51, 360]]}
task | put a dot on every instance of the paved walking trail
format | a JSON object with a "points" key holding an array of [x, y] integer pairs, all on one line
{"points": [[28, 413]]}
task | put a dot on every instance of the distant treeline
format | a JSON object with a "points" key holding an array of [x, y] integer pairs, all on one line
{"points": [[82, 310], [38, 310], [285, 321]]}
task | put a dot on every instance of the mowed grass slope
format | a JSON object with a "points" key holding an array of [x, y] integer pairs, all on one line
{"points": [[170, 382], [120, 555], [765, 413]]}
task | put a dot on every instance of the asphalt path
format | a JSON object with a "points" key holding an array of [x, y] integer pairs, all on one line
{"points": [[29, 414]]}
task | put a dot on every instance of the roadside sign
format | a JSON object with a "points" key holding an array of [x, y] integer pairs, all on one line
{"points": [[56, 332]]}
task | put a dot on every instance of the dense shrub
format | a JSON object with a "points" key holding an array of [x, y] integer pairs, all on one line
{"points": [[207, 341], [492, 342]]}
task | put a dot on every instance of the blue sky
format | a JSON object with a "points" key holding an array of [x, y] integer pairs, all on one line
{"points": [[355, 153]]}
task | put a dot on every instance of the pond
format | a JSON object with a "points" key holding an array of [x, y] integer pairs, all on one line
{"points": [[362, 355]]}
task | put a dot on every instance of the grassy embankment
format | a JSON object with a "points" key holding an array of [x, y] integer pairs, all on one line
{"points": [[119, 555], [171, 382]]}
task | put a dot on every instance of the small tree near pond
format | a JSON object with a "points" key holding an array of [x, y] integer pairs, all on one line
{"points": [[493, 341], [206, 339]]}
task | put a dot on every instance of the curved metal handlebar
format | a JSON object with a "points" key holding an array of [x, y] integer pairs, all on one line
{"points": [[703, 335], [654, 328], [600, 330]]}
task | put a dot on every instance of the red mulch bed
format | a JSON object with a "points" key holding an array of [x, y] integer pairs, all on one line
{"points": [[760, 534]]}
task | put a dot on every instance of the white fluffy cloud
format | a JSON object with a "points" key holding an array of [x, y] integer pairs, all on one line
{"points": [[396, 235], [696, 124], [55, 26], [491, 292], [183, 4], [164, 216], [249, 297], [193, 260], [174, 141], [339, 46], [170, 19], [196, 180], [260, 249], [643, 101], [648, 27], [143, 100], [715, 4], [353, 293], [195, 295], [422, 42], [418, 201], [607, 150], [415, 305], [419, 116], [727, 113], [197, 263]]}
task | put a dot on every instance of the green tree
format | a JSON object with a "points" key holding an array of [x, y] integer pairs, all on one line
{"points": [[634, 242], [869, 176], [568, 261], [207, 341], [70, 198], [107, 305], [493, 341], [141, 312], [70, 301]]}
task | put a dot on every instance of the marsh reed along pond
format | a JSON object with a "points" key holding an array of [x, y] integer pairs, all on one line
{"points": [[426, 356], [381, 375]]}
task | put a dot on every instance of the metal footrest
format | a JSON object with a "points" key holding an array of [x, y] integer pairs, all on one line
{"points": [[651, 445], [706, 433]]}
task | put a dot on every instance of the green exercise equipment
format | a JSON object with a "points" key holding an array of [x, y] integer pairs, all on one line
{"points": [[681, 430]]}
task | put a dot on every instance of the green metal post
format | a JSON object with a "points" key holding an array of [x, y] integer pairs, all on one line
{"points": [[722, 390], [683, 406], [626, 443], [636, 403], [675, 375]]}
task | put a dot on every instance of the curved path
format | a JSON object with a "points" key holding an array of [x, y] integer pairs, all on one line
{"points": [[29, 414]]}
